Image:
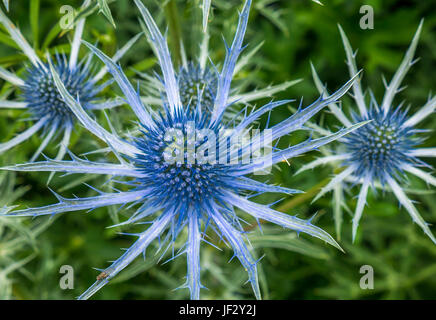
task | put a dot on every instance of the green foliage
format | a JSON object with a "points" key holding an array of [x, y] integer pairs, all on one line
{"points": [[18, 244]]}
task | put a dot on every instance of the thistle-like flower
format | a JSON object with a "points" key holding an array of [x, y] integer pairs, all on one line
{"points": [[191, 80], [382, 152], [179, 171], [195, 74], [40, 97]]}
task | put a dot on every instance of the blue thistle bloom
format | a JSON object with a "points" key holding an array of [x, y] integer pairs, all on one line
{"points": [[40, 96], [190, 183], [381, 148], [195, 77], [194, 81], [174, 169], [382, 152]]}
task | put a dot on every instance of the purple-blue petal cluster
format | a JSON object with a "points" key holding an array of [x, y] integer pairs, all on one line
{"points": [[383, 146], [42, 96]]}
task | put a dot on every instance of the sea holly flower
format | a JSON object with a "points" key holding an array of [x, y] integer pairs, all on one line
{"points": [[179, 173], [40, 98], [195, 77], [195, 74], [380, 154], [194, 82]]}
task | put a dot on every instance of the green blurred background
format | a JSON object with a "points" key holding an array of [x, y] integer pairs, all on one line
{"points": [[294, 33]]}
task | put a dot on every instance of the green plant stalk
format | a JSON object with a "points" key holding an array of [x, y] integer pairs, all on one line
{"points": [[34, 22], [175, 31], [302, 198]]}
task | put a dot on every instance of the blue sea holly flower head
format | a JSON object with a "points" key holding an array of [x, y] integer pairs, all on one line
{"points": [[194, 81], [40, 98], [180, 172], [196, 75], [381, 153]]}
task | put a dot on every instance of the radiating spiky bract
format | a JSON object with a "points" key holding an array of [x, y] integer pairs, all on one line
{"points": [[381, 153], [175, 181]]}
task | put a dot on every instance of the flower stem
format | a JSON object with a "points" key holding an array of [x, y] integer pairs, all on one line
{"points": [[309, 194], [296, 201], [171, 13]]}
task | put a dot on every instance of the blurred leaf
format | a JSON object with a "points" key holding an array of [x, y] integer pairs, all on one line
{"points": [[104, 8], [288, 241]]}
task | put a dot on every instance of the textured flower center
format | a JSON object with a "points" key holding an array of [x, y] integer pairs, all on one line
{"points": [[195, 83], [380, 140], [381, 146], [44, 99], [178, 165]]}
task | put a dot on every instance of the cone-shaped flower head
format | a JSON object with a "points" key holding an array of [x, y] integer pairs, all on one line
{"points": [[381, 153], [43, 98], [196, 82]]}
